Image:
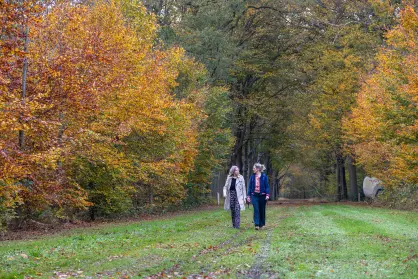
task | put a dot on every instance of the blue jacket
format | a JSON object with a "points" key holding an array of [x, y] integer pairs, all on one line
{"points": [[264, 185]]}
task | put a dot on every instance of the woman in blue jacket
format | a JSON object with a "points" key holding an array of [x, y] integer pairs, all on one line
{"points": [[258, 194]]}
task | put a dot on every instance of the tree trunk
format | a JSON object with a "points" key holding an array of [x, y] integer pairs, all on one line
{"points": [[277, 185], [269, 167], [236, 158], [24, 78], [92, 213], [239, 148], [251, 155], [341, 181], [250, 158], [273, 186], [352, 171], [245, 167], [150, 195], [337, 172]]}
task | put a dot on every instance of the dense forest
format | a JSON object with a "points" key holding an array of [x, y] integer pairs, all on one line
{"points": [[123, 107]]}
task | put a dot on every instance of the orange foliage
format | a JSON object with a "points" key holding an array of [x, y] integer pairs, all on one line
{"points": [[15, 16], [95, 78], [383, 126]]}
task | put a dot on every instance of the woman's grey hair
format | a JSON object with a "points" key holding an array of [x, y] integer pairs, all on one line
{"points": [[260, 167], [232, 170]]}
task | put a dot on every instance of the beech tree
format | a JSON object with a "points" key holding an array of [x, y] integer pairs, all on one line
{"points": [[382, 125]]}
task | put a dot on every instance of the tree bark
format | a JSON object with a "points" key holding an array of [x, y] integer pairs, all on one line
{"points": [[352, 171], [150, 195], [24, 78], [247, 153], [273, 186], [344, 182], [277, 181], [341, 181], [337, 173], [236, 158], [92, 213]]}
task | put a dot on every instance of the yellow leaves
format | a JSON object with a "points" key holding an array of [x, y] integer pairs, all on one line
{"points": [[383, 7], [409, 20], [10, 195], [98, 90], [405, 36], [382, 127], [314, 122]]}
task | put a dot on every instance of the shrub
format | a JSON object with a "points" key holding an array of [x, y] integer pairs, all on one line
{"points": [[403, 197]]}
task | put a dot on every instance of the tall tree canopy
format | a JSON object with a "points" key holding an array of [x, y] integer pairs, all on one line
{"points": [[105, 115], [382, 126], [121, 106]]}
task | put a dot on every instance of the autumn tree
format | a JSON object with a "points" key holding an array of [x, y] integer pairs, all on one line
{"points": [[133, 128], [16, 17], [383, 124], [101, 116], [344, 37]]}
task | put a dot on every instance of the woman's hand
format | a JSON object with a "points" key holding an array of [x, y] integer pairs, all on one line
{"points": [[248, 199], [267, 197]]}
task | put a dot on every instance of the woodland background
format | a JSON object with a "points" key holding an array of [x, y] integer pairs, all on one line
{"points": [[114, 108]]}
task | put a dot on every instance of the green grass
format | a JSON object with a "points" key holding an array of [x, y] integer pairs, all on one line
{"points": [[321, 241]]}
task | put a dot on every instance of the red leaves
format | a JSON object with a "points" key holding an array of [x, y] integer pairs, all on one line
{"points": [[93, 81]]}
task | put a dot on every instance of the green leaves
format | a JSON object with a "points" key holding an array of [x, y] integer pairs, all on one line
{"points": [[383, 123], [111, 116]]}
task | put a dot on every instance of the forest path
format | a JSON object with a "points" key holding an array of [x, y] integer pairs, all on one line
{"points": [[302, 240]]}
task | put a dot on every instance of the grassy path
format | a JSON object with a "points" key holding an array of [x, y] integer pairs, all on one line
{"points": [[321, 241]]}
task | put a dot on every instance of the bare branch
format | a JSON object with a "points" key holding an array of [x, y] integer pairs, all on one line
{"points": [[262, 7]]}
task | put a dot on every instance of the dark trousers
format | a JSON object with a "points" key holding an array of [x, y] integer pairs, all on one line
{"points": [[259, 204], [235, 209]]}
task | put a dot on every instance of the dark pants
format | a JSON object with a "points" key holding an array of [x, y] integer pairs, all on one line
{"points": [[235, 209], [259, 204]]}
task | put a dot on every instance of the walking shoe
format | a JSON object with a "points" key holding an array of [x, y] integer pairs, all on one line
{"points": [[257, 228]]}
